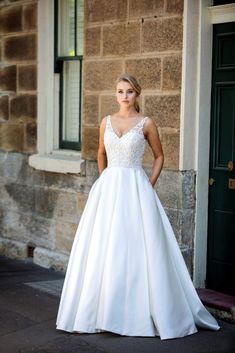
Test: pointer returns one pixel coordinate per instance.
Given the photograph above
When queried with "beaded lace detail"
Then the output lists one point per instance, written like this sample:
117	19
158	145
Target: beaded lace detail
126	150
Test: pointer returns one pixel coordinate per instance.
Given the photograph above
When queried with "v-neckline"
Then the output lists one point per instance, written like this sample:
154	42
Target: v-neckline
119	137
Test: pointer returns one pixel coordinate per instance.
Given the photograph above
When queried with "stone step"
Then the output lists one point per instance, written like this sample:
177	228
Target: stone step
221	305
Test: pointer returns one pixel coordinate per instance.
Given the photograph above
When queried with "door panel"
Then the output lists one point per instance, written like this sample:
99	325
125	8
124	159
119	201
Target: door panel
221	221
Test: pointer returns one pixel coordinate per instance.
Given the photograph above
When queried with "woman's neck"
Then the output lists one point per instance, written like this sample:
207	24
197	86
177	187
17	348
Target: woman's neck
126	113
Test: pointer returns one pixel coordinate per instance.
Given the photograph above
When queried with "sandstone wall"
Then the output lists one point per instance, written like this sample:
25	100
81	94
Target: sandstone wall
144	39
18	75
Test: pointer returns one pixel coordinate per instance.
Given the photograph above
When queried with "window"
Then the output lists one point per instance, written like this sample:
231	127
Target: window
69	18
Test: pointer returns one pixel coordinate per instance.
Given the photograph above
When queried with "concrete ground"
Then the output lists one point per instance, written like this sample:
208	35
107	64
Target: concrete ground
29	299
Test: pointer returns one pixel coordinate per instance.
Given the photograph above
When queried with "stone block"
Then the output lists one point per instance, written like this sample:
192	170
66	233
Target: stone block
109	105
10	19
12	137
8	78
92	41
172	72
50	259
92	169
13	249
65	233
147	70
188	258
103	10
23	195
81	202
90	142
175	221
140	8
162	34
30	137
187	227
101	75
169	189
4	108
23	106
18	48
189	189
65	207
45	201
175	6
27	78
170	145
91	109
11	164
30	16
164	109
121	39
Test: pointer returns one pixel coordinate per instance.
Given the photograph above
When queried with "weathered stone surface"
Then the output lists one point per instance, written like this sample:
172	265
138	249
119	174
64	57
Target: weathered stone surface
162	34
92	41
45	201
102	75
65	233
188	189
91	109
175	221
147	70
30	137
164	109
13	249
108	105
8	78
12	137
50	259
90	142
11	19
103	10
174	6
10	165
170	145
27	78
140	8
81	202
30	16
188	258
4	108
187	227
65	207
172	72
17	48
23	195
24	106
121	39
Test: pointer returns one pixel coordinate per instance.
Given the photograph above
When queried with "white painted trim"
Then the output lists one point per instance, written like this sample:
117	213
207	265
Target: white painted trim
57	163
49	158
189	85
203	142
222	13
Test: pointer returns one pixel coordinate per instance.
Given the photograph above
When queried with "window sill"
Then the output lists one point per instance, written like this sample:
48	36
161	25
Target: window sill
57	162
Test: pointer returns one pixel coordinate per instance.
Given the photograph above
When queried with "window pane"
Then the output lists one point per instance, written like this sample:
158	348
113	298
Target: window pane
71	101
80	25
66	26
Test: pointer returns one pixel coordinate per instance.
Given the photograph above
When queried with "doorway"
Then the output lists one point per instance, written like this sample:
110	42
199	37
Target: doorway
221	212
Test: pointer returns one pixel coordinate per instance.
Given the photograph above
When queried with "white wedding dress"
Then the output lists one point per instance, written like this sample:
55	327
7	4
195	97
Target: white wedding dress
126	273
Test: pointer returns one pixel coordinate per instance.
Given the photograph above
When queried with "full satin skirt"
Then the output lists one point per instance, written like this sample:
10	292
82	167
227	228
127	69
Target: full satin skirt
126	273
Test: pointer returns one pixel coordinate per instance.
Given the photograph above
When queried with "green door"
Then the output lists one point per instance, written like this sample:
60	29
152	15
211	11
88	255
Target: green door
221	226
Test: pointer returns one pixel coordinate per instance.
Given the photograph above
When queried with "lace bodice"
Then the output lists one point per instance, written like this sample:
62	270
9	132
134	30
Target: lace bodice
127	150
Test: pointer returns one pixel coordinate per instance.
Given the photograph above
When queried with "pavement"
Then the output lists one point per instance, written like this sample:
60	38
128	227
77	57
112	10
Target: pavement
29	299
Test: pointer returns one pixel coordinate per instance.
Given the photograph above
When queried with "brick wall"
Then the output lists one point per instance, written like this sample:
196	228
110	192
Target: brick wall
144	39
18	77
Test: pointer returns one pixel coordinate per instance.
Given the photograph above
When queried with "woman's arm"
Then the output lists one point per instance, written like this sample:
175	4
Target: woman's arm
152	136
101	155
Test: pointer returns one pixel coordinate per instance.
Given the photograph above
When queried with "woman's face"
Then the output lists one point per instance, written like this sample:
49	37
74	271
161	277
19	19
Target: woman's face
125	94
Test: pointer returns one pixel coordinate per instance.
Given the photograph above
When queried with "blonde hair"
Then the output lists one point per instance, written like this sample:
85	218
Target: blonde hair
134	84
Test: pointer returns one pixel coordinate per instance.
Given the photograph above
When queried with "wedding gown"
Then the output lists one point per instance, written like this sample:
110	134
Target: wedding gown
126	273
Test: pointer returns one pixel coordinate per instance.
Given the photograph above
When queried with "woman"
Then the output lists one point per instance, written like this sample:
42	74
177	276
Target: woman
126	273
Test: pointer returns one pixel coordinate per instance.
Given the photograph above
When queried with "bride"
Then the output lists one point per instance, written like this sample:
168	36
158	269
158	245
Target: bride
126	273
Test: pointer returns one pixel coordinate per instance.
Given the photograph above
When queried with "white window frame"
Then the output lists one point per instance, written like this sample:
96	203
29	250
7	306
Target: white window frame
49	157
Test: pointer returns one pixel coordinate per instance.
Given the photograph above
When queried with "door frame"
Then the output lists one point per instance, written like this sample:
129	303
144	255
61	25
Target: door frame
196	112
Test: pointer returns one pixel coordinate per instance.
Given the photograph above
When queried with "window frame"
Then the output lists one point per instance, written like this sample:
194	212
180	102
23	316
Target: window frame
59	69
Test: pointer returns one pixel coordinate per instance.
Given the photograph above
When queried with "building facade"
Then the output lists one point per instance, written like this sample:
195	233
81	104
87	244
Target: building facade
53	96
